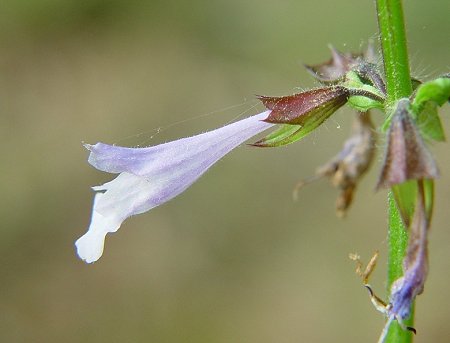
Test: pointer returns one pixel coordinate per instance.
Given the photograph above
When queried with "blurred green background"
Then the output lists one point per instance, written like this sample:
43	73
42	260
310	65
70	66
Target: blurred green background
233	259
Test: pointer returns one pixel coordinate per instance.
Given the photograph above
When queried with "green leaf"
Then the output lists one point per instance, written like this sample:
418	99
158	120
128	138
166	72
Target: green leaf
428	97
436	91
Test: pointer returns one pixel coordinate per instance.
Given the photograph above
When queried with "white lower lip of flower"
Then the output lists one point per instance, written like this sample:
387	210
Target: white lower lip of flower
90	245
151	176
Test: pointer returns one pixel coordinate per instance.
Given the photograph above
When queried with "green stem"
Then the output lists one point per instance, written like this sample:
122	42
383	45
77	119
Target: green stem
398	241
398	85
395	53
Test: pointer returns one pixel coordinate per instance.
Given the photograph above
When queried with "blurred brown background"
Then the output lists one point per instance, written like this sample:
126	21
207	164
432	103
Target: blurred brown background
233	259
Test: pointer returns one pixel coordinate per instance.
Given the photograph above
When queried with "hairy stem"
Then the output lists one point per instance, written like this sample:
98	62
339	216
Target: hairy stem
395	53
398	85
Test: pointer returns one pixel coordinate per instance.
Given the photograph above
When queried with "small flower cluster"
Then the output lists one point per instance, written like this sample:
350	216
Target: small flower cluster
151	176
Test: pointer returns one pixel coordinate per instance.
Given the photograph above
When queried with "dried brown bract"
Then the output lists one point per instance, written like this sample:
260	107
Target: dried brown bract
336	68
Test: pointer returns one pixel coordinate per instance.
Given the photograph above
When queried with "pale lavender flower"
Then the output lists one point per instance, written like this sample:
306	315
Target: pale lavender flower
149	177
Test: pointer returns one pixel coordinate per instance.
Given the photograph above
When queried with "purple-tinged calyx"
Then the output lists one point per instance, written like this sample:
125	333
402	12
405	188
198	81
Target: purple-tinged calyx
299	109
149	177
406	157
301	113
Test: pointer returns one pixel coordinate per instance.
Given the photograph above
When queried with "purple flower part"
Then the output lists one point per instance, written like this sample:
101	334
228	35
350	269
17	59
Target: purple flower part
405	290
415	264
149	177
415	268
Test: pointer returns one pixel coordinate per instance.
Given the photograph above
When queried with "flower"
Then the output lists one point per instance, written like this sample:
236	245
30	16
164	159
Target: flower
151	176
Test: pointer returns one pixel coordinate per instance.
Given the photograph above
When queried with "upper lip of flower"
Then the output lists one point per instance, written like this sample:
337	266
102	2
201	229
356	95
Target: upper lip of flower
151	176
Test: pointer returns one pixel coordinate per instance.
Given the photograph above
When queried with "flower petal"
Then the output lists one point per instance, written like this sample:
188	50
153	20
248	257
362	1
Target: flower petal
124	196
151	176
90	245
147	161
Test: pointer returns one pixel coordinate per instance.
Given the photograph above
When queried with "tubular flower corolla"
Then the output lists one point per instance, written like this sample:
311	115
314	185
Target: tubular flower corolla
151	176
